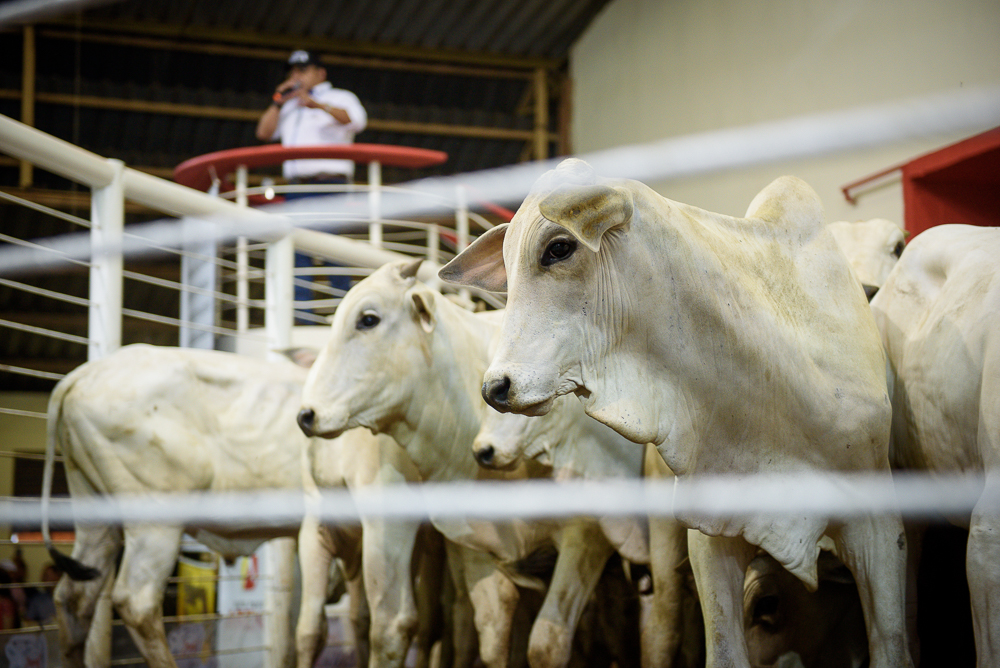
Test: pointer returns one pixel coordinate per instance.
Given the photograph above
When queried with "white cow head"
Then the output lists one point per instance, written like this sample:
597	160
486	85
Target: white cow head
505	439
872	246
366	373
551	246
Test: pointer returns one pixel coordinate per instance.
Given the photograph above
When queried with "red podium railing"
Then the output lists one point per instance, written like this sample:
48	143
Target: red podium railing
198	173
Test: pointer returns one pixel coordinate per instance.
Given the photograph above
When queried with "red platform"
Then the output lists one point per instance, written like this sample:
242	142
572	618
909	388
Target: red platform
959	183
197	172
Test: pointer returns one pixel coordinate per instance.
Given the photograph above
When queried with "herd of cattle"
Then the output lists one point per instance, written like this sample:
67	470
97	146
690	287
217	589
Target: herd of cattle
695	343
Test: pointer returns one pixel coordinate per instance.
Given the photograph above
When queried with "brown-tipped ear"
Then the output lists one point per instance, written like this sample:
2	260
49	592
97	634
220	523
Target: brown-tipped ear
409	269
423	308
588	211
481	264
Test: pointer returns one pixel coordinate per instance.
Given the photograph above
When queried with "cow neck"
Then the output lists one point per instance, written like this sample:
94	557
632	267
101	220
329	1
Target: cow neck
734	297
441	423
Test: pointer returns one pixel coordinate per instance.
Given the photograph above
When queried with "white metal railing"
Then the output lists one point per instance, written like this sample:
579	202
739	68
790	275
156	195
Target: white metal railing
255	274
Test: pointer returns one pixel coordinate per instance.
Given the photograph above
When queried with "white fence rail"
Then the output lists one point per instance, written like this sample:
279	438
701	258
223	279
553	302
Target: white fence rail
227	272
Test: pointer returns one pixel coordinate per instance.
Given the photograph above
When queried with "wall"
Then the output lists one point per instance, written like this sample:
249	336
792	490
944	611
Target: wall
20	434
647	70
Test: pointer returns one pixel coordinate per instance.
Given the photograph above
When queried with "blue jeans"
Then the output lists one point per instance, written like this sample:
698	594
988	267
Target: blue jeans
302	293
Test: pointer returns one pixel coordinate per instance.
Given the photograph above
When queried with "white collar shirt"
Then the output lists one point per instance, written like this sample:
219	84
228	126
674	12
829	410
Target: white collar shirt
304	126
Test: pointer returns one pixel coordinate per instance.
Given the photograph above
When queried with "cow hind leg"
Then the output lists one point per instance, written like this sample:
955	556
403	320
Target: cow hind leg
388	563
983	571
431	576
494	599
79	613
719	564
583	552
874	549
662	633
150	555
314	562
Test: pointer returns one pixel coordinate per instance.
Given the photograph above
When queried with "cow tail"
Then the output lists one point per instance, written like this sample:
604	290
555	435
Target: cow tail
66	564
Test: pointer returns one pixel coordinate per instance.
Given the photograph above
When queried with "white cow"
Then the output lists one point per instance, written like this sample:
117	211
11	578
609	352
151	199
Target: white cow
156	419
149	419
939	314
578	447
736	345
872	247
405	361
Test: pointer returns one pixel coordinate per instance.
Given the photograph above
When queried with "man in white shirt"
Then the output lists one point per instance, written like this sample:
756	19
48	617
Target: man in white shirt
308	111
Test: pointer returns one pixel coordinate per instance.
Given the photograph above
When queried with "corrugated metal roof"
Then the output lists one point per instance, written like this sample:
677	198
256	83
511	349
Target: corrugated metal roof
526	28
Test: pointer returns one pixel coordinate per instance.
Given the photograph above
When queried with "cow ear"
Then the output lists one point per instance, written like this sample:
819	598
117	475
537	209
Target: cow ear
423	308
481	264
588	211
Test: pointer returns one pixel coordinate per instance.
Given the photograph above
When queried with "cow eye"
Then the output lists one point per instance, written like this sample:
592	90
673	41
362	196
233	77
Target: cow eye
368	321
557	251
898	250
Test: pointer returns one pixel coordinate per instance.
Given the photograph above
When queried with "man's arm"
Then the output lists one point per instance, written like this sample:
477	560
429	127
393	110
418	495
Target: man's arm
339	115
268	122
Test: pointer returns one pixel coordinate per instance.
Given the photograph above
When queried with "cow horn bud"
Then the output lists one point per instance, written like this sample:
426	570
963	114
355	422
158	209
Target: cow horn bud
409	270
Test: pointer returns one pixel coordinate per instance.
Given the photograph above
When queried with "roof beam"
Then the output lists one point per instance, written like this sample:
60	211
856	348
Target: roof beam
271	54
252	115
320	44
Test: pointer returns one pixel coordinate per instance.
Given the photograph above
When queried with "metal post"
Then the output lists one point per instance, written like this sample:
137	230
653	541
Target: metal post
27	98
279	272
461	218
461	227
107	217
375	203
434	244
242	259
541	114
198	270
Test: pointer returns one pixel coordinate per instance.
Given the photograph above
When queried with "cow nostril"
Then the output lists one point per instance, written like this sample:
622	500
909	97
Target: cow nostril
485	455
306	420
496	392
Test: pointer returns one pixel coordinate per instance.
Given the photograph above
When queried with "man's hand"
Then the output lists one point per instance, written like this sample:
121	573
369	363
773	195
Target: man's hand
287	90
339	115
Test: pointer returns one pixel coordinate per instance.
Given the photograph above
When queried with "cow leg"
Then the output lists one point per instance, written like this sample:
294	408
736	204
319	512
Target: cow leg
98	653
661	635
464	650
915	531
583	551
719	564
360	616
84	623
874	549
982	564
150	555
494	599
431	576
388	559
315	557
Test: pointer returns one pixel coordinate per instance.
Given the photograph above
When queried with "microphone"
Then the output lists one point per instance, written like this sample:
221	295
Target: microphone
281	96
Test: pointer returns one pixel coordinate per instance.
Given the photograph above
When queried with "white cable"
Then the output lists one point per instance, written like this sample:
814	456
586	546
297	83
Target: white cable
800	494
965	110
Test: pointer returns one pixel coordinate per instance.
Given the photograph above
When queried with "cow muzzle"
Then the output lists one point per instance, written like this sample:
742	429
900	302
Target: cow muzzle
518	389
307	421
496	392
